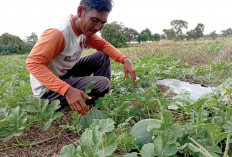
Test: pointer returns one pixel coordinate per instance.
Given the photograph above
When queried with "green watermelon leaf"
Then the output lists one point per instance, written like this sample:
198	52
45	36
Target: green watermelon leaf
148	150
68	151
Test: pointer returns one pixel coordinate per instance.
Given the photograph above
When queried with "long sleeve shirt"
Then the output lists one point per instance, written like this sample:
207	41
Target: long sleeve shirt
58	50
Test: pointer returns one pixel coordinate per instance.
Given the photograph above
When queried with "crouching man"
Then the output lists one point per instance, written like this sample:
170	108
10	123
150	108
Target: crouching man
56	69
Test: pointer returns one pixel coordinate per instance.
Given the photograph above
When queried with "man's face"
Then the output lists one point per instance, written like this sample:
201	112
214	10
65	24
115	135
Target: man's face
92	21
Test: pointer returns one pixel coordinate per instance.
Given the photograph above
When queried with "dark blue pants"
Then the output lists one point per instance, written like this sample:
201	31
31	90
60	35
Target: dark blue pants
94	67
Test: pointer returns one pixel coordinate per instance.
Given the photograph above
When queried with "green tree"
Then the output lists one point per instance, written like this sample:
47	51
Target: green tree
156	37
12	44
169	33
33	38
196	33
199	30
177	26
213	35
145	35
191	35
131	34
114	33
163	36
227	32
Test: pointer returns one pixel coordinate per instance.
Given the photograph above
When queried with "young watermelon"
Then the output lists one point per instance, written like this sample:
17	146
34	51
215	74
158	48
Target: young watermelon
94	113
140	130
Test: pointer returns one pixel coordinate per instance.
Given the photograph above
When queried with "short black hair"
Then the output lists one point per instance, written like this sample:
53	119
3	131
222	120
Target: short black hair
99	5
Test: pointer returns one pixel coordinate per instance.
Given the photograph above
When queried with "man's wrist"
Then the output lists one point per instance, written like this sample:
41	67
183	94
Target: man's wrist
125	59
68	90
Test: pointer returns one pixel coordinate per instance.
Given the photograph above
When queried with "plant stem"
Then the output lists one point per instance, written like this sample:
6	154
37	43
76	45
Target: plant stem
202	149
22	140
227	145
52	130
195	147
31	144
149	115
17	139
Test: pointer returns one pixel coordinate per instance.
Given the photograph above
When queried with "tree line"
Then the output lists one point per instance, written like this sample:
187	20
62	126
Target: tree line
119	36
11	44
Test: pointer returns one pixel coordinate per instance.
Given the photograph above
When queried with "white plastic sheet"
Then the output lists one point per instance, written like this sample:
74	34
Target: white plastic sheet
195	90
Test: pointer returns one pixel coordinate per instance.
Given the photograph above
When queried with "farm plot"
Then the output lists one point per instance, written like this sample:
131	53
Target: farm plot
130	120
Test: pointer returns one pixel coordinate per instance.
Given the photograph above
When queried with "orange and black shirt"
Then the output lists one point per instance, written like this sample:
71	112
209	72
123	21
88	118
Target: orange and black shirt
58	50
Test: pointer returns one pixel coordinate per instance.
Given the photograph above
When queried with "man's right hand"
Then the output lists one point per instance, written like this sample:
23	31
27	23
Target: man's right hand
74	98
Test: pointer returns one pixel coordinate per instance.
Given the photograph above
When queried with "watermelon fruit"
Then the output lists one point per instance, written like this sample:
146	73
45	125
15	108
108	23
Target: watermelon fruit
140	130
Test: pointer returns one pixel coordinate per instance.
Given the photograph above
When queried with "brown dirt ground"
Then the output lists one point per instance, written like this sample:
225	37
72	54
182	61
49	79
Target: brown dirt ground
190	79
50	148
164	89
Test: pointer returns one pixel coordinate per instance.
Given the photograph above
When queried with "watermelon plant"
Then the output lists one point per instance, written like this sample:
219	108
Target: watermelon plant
44	112
98	140
12	123
140	120
94	113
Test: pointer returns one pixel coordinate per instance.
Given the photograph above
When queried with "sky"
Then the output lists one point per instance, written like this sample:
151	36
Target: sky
22	17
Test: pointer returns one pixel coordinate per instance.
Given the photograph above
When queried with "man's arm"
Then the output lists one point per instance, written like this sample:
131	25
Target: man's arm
100	44
49	45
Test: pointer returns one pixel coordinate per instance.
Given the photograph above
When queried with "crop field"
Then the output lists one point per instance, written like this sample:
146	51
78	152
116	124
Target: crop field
129	121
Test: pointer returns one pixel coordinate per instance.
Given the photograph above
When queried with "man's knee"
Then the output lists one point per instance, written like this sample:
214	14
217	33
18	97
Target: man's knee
101	53
102	85
102	56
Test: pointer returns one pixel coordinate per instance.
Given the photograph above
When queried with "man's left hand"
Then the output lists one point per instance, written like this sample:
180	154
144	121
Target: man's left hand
129	68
